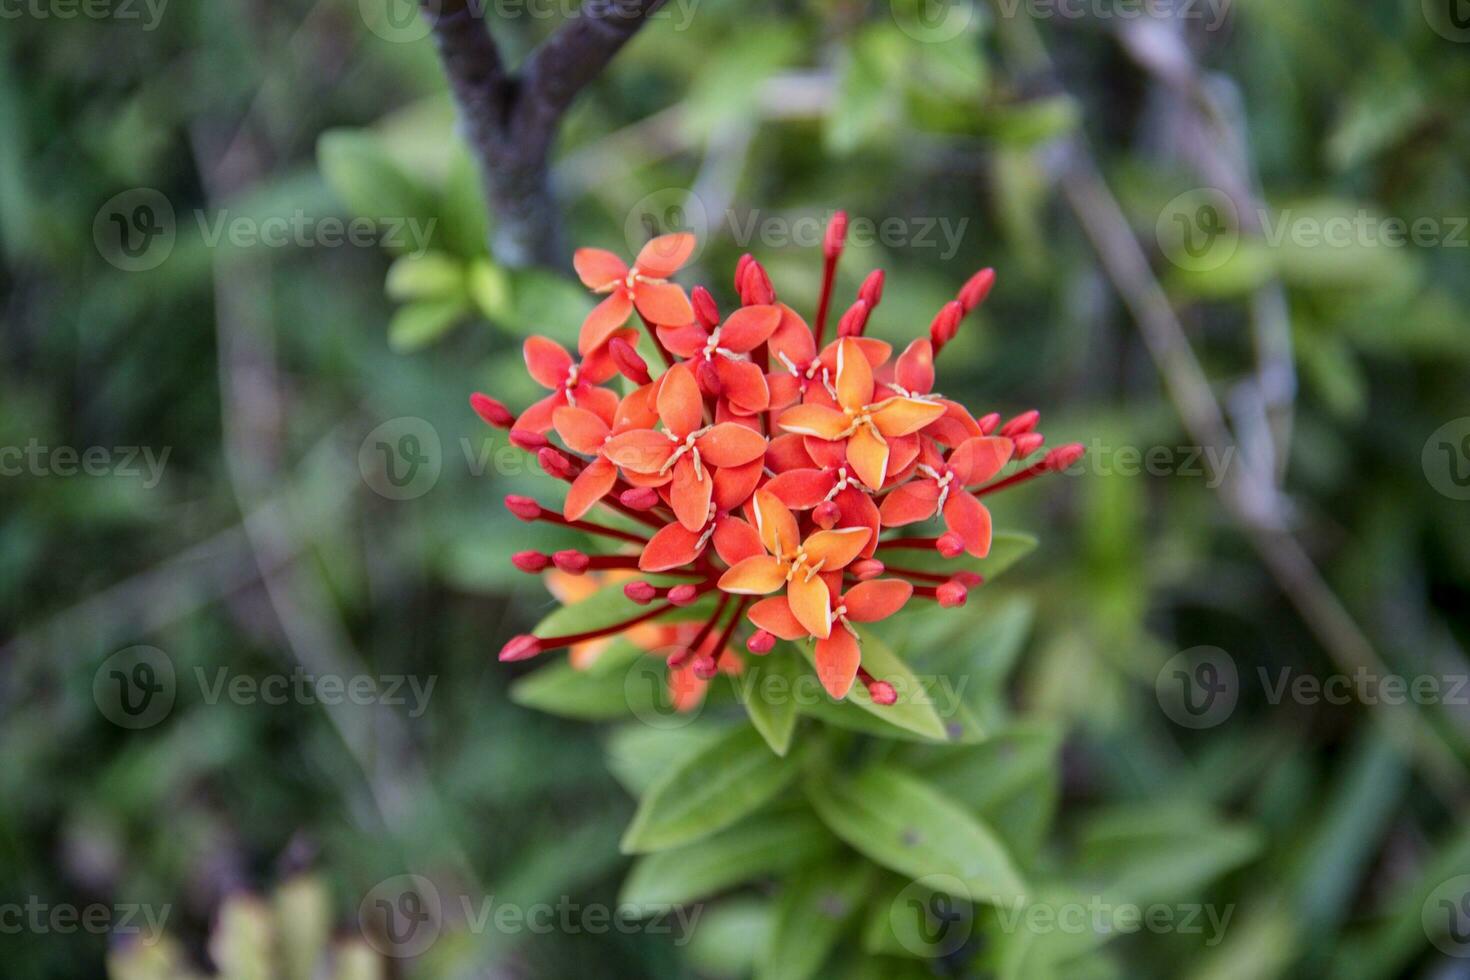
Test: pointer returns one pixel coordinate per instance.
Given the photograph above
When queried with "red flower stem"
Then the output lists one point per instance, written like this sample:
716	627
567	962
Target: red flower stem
1029	473
918	543
918	575
926	592
552	517
545	643
653	334
601	563
824	303
729	630
709	626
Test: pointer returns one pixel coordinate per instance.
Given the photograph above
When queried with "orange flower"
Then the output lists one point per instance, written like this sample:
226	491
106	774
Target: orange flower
863	425
571	383
587	432
686	448
645	287
839	654
796	564
940	488
725	350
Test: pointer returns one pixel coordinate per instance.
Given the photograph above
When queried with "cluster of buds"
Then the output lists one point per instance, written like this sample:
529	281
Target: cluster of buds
764	464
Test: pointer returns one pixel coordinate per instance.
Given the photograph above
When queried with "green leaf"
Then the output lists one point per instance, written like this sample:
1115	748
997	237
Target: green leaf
913	712
366	179
1033	122
597	693
730	935
638	754
910	827
763	845
1162	852
419	324
545	303
769	692
707	792
432	275
809	917
490	289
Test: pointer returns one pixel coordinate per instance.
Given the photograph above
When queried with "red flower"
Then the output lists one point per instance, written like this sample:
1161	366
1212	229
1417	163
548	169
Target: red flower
645	287
571	383
939	486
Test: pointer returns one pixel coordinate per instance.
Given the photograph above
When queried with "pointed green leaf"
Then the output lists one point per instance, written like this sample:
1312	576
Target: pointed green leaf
913	712
419	324
768	691
810	915
707	792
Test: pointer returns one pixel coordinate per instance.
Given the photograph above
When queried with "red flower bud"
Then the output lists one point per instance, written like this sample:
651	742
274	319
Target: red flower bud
949	544
882	693
1063	457
755	286
709	378
640	592
951	594
555	463
946	324
683	595
973	292
523	507
571	561
855	320
639	498
836	237
871	291
527	440
705	310
969	579
866	568
530	561
1025	422
1027	443
521	647
627	361
704	667
990	423
679	656
827	514
491	411
740	266
760	642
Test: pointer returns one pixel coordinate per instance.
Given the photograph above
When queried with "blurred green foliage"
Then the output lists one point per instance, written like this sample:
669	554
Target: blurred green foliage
263	547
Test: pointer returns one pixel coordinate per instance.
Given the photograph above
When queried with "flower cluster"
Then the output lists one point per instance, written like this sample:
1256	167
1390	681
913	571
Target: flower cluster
764	464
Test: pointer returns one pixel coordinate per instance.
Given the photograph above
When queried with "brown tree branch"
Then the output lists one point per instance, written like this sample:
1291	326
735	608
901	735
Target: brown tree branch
511	121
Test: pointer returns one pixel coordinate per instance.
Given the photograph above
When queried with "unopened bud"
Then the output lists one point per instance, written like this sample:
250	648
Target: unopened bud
951	594
705	309
1027	443
639	498
969	579
571	561
882	693
527	440
530	561
827	514
973	292
640	592
867	568
950	545
871	291
491	411
683	595
855	320
521	647
946	324
1063	457
523	507
627	361
555	463
836	237
709	378
760	643
1023	423
989	423
755	286
705	667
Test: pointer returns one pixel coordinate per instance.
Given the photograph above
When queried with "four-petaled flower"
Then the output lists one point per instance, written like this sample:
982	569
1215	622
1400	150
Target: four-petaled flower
571	383
939	486
645	287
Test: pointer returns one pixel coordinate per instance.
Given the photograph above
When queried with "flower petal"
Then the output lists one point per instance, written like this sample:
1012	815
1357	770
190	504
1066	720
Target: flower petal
598	268
856	509
602	402
679	402
915	369
735	484
537	416
913	501
743	385
835	548
663	303
661	257
838	657
590	486
977	460
854	375
690	494
802	489
814	420
598	366
826	455
730	444
793	338
756	575
685	341
969	518
787	452
784	388
749	327
638	410
583	431
776	524
736	540
867	454
673	546
811	604
774	616
639	450
547	361
902	416
604	320
868	602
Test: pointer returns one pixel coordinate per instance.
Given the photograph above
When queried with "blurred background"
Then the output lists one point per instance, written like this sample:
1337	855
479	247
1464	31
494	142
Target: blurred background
254	559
